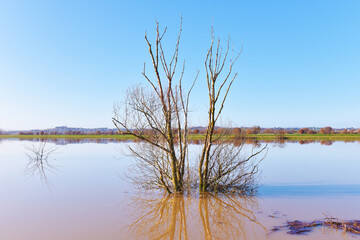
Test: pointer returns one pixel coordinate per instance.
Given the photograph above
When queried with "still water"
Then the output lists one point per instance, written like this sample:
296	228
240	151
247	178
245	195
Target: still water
84	195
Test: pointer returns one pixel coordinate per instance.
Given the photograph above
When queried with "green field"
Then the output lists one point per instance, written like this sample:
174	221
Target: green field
298	137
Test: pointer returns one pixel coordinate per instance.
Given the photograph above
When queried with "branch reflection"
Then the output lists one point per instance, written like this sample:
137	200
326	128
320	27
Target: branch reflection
205	217
39	162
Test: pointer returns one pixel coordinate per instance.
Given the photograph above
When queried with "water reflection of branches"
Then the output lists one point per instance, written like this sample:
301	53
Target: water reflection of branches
205	217
161	218
226	217
39	162
326	142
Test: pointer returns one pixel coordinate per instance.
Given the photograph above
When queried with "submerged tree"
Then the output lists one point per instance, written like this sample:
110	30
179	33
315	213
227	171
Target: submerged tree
221	166
158	117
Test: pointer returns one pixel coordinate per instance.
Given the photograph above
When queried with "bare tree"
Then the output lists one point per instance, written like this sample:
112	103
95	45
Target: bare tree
220	166
158	116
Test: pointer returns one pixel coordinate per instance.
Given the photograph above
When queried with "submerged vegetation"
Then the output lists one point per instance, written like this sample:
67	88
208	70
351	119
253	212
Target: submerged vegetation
299	227
158	116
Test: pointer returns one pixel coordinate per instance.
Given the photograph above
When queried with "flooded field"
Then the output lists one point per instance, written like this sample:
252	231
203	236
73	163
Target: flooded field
80	192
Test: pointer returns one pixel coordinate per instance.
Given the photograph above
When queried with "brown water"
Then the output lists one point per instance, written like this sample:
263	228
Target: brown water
84	195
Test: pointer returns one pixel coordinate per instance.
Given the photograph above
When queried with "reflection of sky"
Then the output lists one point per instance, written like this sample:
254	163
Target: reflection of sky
89	198
295	164
85	192
88	167
316	190
312	164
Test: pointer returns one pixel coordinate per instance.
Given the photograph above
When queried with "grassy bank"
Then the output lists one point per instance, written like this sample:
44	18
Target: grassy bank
266	137
315	137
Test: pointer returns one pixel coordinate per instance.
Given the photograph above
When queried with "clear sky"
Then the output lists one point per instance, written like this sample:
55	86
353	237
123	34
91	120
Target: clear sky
67	62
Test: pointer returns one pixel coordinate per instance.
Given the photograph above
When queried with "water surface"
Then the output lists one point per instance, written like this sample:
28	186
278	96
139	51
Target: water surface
86	196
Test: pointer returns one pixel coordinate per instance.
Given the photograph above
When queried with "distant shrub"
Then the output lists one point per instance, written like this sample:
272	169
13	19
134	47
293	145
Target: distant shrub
326	130
25	133
304	130
196	131
269	131
236	131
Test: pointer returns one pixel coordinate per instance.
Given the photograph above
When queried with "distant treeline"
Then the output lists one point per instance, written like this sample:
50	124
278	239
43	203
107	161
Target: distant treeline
258	130
237	131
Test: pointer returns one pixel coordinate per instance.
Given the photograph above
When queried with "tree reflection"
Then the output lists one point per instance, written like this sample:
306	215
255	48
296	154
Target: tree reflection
204	217
326	142
39	162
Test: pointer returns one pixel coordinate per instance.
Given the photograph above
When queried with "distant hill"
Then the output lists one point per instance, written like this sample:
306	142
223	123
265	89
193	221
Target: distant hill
64	130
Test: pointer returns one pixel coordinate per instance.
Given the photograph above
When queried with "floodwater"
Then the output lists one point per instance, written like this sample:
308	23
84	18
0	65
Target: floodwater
80	192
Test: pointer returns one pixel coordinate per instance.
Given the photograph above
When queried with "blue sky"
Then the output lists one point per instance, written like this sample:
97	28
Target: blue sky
68	62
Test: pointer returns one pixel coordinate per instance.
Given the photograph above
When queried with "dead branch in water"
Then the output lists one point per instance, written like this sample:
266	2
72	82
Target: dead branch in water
299	227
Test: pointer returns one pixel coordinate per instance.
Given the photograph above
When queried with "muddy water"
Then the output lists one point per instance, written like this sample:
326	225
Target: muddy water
84	195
